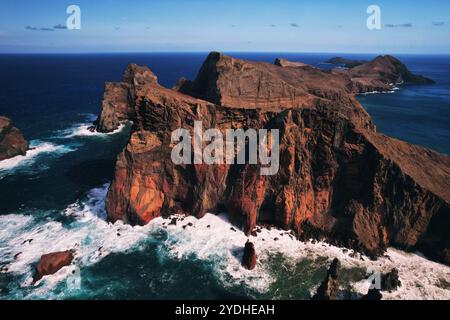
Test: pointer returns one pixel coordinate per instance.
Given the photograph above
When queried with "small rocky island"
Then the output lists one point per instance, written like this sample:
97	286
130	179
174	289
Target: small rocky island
346	63
339	180
12	142
382	74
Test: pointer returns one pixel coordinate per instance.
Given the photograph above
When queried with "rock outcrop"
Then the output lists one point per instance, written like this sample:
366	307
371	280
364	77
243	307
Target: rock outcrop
249	257
52	263
329	288
119	97
289	64
390	281
12	142
338	180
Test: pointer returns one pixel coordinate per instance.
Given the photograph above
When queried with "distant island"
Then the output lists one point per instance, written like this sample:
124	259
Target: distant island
346	63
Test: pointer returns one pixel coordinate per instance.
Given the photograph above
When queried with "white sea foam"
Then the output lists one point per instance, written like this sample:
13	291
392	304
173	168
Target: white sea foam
394	90
210	239
38	148
82	129
90	236
53	146
223	246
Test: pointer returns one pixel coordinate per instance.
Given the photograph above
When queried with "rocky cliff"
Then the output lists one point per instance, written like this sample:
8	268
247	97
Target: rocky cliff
339	179
12	142
119	98
383	73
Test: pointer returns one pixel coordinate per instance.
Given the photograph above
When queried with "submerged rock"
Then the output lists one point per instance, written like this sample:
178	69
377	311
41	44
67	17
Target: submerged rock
249	257
51	263
329	288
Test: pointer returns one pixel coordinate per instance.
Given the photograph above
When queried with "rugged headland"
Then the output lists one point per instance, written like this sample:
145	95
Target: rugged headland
339	179
12	142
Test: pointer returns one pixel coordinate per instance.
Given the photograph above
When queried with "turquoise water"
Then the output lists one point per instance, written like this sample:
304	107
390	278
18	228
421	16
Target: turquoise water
55	195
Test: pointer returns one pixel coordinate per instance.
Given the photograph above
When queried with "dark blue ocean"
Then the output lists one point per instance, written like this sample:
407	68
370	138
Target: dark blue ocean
55	195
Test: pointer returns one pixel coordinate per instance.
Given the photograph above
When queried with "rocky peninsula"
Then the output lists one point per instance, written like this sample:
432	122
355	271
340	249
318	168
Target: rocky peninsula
339	179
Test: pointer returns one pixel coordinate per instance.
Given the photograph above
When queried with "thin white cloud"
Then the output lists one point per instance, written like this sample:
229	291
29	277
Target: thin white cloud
438	23
402	25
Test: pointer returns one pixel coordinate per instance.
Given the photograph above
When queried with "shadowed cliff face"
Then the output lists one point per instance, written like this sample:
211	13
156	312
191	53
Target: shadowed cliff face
12	142
119	98
338	179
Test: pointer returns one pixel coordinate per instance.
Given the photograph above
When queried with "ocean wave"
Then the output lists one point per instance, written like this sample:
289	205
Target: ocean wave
420	277
38	149
82	129
394	90
23	241
212	240
52	146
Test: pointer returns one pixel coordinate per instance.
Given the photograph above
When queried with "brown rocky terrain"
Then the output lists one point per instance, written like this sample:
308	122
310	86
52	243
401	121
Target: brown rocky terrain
116	107
52	263
339	179
286	63
12	142
383	73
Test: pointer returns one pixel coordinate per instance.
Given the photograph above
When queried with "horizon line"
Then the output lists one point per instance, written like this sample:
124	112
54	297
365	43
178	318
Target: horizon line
225	51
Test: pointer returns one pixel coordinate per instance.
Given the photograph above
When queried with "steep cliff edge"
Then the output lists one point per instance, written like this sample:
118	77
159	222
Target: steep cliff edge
12	142
338	180
119	98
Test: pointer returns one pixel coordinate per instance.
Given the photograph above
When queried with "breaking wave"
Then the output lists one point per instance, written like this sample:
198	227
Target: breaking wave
53	147
212	240
82	129
38	149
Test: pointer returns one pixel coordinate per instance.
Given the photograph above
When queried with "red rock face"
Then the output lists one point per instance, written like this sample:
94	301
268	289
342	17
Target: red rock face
119	98
12	142
338	180
52	263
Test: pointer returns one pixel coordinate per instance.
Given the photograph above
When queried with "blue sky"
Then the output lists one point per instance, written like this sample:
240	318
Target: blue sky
226	25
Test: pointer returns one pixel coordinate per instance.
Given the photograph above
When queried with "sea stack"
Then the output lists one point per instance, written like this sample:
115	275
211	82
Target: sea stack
329	288
12	142
249	257
390	281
